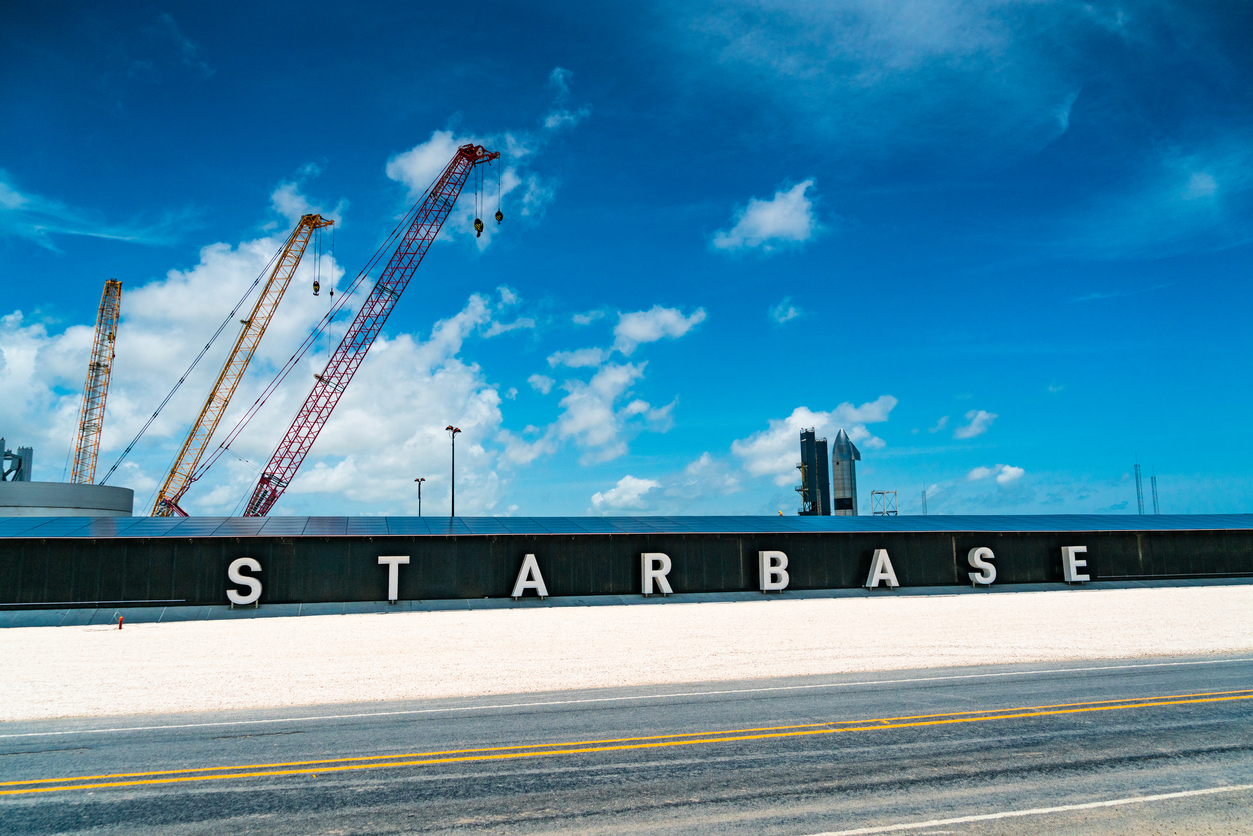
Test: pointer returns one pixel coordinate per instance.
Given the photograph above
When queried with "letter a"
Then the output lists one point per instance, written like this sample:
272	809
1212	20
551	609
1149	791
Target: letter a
529	577
881	570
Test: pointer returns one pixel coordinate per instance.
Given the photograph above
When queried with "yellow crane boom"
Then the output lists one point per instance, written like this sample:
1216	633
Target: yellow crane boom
214	408
96	389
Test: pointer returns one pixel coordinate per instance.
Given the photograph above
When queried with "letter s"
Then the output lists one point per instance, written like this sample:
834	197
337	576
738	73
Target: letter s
234	574
978	559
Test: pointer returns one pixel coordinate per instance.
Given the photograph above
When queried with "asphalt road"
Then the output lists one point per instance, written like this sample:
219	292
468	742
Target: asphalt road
1142	746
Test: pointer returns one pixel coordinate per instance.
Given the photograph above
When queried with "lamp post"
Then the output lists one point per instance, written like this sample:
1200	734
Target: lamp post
420	480
452	433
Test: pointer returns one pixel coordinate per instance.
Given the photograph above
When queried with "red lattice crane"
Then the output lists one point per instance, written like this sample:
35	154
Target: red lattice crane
329	386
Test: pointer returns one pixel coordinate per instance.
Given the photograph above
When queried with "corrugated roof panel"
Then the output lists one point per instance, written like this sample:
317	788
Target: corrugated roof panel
523	525
367	526
326	526
483	525
240	527
408	526
284	526
39	527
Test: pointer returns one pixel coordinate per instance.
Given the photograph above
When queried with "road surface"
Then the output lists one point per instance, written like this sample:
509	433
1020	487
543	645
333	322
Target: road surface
1145	746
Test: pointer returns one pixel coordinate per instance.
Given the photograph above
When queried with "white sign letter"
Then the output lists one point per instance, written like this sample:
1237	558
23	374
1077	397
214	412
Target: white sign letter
881	570
529	577
1071	565
393	574
654	566
235	576
978	559
772	568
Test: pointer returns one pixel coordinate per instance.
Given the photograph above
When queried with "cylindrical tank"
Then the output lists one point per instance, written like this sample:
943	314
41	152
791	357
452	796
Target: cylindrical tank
64	499
844	476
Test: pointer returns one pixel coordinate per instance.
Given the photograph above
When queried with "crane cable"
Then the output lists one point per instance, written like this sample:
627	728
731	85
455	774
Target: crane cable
308	341
234	311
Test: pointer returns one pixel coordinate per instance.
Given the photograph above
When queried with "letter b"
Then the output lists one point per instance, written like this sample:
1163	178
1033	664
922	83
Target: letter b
772	571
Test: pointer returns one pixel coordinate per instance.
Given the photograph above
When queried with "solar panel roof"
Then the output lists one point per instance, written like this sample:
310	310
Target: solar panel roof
104	527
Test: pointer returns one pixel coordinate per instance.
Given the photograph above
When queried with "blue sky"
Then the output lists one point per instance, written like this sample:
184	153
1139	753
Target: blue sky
1006	245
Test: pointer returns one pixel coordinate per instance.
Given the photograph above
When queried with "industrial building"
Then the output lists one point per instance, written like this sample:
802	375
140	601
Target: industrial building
815	487
825	492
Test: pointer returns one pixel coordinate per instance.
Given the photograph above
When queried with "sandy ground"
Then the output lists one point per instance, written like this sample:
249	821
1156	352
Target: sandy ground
48	672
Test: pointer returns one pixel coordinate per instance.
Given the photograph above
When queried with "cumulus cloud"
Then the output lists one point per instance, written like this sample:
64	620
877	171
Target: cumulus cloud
599	414
785	311
587	318
523	192
577	359
387	429
786	219
289	201
628	493
657	323
1005	474
939	425
541	383
774	450
977	423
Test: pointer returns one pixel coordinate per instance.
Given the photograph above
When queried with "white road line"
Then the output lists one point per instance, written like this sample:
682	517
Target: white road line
635	698
1038	811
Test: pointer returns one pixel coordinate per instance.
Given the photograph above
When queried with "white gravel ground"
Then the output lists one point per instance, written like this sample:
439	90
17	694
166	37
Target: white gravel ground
48	672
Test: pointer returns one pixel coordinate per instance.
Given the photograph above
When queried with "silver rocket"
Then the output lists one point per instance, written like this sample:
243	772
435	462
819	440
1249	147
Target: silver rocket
844	476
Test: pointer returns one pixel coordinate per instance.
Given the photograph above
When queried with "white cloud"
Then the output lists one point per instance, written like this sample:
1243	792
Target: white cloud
774	450
587	318
786	219
977	423
939	425
541	383
785	311
39	219
387	429
291	203
497	328
591	415
1005	474
578	359
639	327
628	493
522	193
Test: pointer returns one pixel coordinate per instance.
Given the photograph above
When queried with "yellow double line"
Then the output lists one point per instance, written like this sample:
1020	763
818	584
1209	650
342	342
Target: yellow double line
541	750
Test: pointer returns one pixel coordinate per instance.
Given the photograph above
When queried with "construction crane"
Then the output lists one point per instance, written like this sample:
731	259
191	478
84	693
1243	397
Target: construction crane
202	429
96	389
329	386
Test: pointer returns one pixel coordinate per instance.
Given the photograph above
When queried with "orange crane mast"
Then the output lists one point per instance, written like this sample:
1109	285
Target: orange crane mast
96	389
184	468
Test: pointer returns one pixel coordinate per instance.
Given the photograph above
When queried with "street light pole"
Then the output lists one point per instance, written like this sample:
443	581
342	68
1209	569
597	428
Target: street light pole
420	480
452	433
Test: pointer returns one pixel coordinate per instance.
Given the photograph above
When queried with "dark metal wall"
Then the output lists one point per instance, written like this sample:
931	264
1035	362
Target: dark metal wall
315	569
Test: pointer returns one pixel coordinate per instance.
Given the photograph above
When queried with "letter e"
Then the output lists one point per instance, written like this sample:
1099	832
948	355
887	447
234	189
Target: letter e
1071	564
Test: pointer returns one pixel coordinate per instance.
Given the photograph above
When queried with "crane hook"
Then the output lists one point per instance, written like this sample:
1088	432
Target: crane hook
500	216
478	227
316	287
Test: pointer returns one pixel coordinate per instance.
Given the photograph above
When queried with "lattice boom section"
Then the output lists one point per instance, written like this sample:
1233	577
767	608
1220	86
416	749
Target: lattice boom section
331	384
